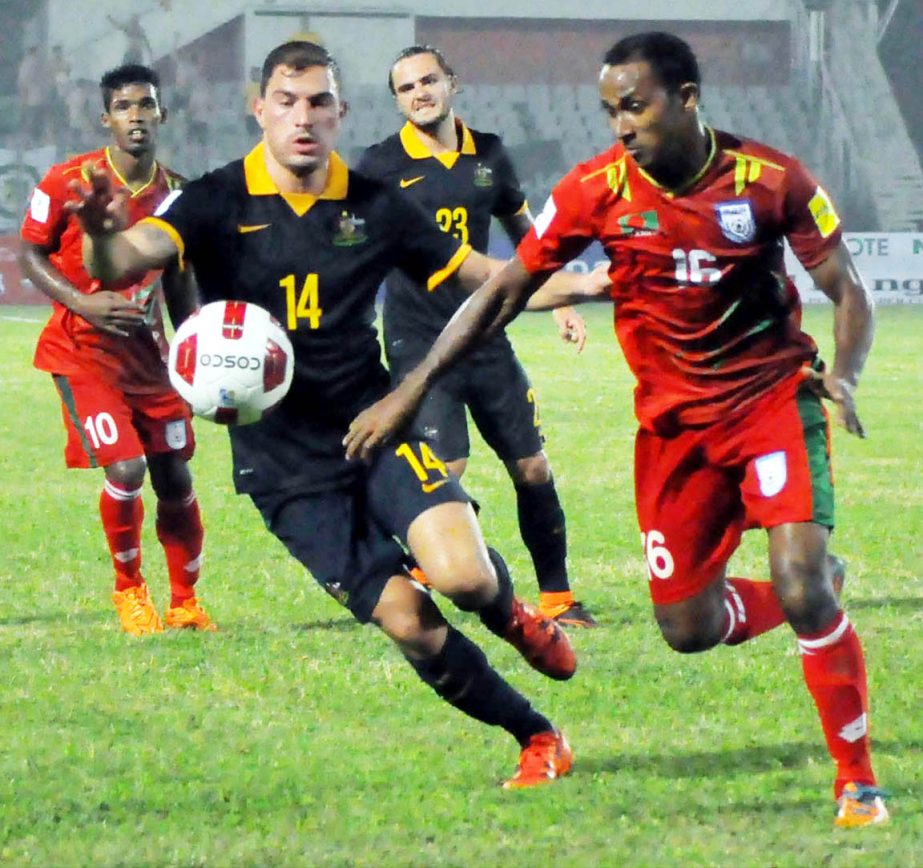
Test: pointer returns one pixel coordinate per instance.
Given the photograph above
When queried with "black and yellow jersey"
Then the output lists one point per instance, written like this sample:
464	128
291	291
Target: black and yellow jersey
315	263
460	191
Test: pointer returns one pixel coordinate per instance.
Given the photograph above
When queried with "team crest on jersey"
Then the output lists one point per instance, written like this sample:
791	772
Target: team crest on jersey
639	224
483	176
350	231
736	221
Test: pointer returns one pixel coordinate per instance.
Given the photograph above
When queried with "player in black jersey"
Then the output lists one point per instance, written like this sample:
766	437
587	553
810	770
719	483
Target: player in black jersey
462	178
291	229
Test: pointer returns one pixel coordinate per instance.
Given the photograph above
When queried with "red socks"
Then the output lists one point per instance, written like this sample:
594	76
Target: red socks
751	608
834	671
122	514
179	529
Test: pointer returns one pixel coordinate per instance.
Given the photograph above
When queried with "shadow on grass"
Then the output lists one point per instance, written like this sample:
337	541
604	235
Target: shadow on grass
55	618
716	763
902	604
719	763
335	625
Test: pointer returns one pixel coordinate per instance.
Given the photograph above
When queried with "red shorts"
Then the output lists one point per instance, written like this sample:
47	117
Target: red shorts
105	425
697	492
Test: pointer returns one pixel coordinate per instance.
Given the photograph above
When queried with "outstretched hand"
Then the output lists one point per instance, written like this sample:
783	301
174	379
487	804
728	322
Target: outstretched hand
571	326
376	424
827	385
100	210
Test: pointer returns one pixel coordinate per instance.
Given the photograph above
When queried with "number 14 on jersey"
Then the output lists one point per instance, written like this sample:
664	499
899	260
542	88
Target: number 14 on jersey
301	303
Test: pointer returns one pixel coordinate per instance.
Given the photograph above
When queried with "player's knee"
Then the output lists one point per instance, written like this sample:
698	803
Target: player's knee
470	589
534	470
411	620
171	478
689	636
804	593
128	474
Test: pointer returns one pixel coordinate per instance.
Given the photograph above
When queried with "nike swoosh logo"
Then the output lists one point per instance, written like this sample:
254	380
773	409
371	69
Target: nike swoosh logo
406	182
243	229
429	487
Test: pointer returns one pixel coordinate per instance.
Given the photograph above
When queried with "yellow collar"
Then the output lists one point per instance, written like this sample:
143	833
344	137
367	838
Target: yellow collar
260	183
676	191
135	191
416	148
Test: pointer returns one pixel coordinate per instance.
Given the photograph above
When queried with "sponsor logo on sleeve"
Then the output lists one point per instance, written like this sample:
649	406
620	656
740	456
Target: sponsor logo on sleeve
543	221
40	206
824	213
736	221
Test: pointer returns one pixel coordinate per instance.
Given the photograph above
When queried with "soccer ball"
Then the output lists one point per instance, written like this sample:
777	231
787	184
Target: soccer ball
232	362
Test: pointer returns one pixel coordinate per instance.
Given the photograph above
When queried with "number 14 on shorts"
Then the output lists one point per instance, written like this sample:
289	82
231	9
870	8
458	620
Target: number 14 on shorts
423	465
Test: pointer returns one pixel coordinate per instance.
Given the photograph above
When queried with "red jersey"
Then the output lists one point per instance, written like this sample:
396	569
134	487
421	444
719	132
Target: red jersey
704	311
68	344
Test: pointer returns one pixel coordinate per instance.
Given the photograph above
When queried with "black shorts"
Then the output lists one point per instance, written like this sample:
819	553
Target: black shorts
494	387
348	538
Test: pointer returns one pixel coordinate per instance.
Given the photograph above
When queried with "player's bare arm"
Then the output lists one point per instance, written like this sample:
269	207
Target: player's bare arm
107	311
490	307
853	329
557	291
110	251
571	326
180	293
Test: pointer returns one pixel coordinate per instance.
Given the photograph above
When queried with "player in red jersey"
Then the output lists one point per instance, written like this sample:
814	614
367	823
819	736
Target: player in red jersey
104	347
732	431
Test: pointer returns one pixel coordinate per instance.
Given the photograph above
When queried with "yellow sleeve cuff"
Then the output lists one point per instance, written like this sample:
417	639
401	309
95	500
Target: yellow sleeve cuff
175	237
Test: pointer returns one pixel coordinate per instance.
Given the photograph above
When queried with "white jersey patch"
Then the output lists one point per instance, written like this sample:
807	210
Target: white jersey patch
40	206
772	472
543	221
162	207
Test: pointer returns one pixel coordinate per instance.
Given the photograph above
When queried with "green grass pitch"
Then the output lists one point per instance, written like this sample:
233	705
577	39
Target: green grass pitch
294	737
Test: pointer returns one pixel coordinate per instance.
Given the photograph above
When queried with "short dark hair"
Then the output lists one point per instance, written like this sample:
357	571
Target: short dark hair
413	51
671	58
299	55
128	73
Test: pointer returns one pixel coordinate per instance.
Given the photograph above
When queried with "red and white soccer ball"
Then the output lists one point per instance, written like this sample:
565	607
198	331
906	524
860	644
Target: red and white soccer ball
232	362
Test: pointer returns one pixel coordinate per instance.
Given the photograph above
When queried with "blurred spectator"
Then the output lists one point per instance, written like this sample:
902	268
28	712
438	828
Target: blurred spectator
198	109
185	75
137	46
58	115
83	108
251	92
34	87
